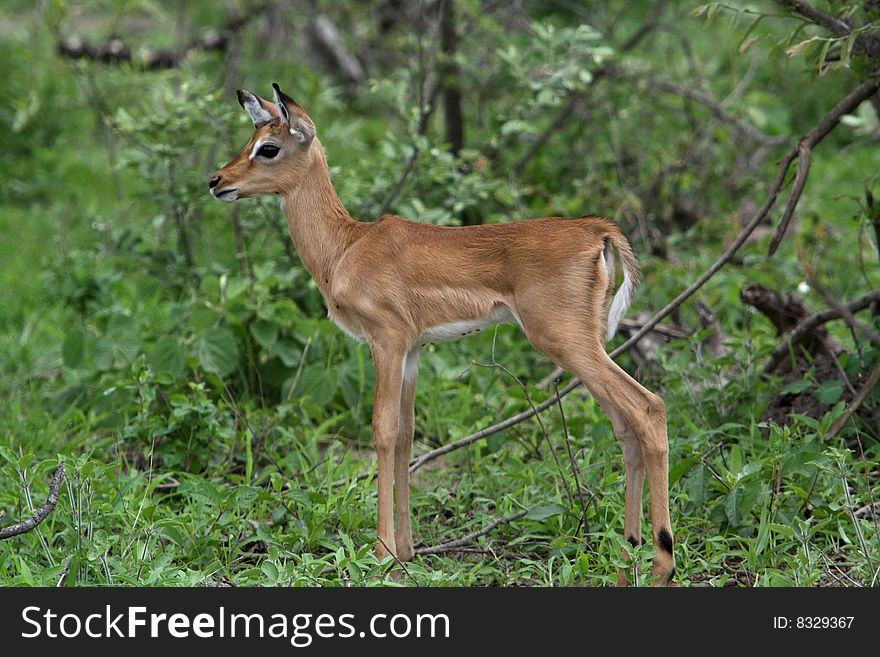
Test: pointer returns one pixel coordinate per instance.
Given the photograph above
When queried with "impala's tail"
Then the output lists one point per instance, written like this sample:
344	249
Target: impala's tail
627	289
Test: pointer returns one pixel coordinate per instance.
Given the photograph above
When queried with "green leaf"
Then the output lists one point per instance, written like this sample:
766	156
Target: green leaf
73	349
735	460
270	570
356	377
796	387
318	383
733	506
698	485
289	352
265	333
217	351
544	511
166	357
830	392
122	333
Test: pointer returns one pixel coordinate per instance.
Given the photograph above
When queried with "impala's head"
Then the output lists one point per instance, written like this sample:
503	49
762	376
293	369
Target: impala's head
278	155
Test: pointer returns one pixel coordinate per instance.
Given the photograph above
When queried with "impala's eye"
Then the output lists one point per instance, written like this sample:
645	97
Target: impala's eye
268	151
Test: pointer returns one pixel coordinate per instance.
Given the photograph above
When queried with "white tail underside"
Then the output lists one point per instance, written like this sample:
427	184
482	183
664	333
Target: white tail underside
622	298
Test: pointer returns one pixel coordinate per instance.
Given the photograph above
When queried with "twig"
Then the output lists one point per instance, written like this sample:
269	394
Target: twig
397	561
718	111
849	507
471	538
863	393
805	158
574	469
42	513
843	311
544	432
299	369
65	573
868	44
808	11
804	150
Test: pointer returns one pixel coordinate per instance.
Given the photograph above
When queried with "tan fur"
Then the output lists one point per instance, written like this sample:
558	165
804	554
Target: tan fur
391	280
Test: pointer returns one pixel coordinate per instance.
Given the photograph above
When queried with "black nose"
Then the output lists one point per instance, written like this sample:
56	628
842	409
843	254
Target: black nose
214	182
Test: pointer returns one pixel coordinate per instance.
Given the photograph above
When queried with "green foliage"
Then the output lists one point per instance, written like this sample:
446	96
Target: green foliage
174	352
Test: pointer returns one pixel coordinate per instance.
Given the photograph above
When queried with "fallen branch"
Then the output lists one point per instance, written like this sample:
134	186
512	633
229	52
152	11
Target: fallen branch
43	512
469	539
805	326
785	311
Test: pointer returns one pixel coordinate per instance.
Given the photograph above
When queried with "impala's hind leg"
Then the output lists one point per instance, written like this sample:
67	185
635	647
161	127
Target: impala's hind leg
638	417
635	479
640	424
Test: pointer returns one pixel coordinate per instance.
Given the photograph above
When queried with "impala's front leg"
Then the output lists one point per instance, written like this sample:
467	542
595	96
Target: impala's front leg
402	451
388	360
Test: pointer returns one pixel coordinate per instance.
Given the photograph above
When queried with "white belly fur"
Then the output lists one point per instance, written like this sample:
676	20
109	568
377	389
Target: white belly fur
454	330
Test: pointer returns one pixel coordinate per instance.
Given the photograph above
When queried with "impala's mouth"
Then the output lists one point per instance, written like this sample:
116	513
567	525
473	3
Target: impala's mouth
228	195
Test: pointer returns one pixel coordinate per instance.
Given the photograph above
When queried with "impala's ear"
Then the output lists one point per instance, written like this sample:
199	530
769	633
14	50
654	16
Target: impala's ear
279	103
303	131
255	108
298	121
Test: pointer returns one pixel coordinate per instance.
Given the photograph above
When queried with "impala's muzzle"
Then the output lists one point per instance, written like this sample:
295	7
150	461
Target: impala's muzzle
228	194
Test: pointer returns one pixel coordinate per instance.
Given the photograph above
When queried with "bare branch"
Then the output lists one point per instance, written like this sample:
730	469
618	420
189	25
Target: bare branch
42	513
808	11
717	108
803	151
116	51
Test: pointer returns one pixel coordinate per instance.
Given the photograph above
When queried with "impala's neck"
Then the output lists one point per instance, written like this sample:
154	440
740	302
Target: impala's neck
319	224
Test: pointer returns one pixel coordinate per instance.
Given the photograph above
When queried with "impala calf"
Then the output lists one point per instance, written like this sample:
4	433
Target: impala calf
400	284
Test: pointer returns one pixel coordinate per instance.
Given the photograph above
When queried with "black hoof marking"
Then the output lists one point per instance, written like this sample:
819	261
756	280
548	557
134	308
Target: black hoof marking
632	541
665	539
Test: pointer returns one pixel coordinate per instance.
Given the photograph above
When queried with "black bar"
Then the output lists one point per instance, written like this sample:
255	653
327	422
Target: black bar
518	621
